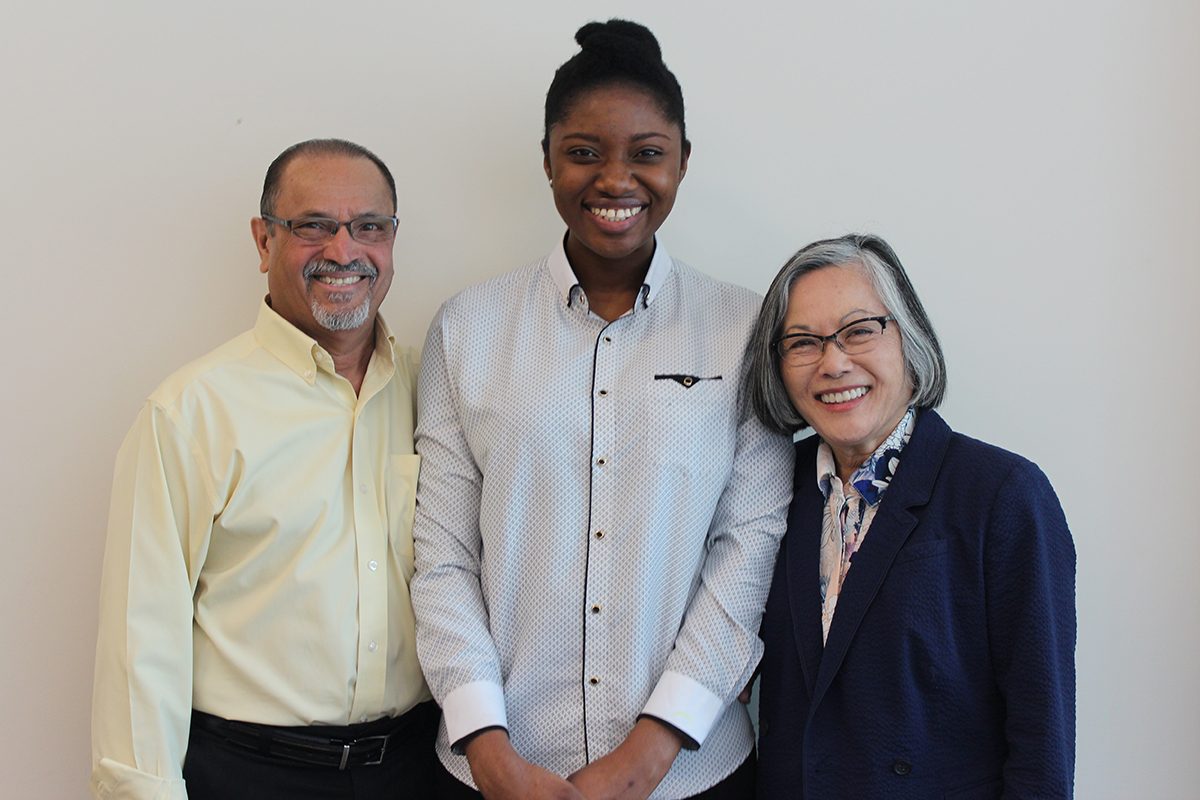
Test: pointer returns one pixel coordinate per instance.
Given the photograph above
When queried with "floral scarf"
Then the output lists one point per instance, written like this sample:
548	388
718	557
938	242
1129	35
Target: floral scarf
850	509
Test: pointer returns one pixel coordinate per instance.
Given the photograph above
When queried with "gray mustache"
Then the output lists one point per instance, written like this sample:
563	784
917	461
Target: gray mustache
323	266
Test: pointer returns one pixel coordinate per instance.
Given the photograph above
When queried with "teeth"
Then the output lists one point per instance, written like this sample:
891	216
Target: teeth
616	214
331	281
844	397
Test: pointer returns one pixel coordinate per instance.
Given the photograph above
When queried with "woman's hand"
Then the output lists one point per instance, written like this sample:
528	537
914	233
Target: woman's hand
632	770
501	773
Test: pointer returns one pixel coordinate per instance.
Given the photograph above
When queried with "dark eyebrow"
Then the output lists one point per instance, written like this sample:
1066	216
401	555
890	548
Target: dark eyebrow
637	137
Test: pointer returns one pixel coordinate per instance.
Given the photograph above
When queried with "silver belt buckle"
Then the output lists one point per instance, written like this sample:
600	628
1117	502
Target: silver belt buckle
374	762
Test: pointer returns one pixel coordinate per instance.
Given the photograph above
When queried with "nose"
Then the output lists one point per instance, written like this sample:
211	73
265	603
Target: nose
342	248
834	361
616	178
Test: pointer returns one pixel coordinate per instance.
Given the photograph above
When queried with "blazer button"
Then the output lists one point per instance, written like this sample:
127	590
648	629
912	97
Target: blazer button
901	767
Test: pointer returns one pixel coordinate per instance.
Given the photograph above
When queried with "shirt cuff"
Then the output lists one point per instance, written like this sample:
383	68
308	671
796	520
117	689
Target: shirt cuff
685	704
472	707
112	780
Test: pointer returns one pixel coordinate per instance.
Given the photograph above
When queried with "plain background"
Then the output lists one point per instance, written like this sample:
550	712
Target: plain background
1035	164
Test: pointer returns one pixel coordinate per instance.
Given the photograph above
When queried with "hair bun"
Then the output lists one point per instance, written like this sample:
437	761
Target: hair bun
619	36
617	52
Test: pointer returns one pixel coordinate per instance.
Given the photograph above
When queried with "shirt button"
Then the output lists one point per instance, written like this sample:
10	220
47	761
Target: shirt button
603	392
599	534
372	647
363	718
901	767
593	680
600	462
608	338
372	565
362	487
595	608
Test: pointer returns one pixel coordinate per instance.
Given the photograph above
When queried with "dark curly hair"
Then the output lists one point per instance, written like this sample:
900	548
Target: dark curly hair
620	52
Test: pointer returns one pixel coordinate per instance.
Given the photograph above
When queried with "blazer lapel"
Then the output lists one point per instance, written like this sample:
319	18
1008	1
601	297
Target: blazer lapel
894	521
803	560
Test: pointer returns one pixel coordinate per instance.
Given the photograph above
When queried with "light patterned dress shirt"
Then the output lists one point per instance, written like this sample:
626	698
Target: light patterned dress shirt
597	518
259	552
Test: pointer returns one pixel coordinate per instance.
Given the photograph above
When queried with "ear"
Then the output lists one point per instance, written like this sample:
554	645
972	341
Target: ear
683	161
262	240
546	166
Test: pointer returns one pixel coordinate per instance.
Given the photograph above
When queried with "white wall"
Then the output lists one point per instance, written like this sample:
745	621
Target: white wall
1034	163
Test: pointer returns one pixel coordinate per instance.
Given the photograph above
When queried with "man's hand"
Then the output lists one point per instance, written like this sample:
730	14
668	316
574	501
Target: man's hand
501	773
637	765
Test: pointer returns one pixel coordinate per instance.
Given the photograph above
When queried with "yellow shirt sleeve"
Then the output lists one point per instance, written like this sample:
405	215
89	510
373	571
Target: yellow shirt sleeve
159	525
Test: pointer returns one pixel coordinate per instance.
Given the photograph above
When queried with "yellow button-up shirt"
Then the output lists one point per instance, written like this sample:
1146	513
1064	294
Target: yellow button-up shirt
259	553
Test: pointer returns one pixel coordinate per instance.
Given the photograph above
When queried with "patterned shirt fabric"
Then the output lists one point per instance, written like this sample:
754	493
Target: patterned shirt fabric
850	508
259	552
597	518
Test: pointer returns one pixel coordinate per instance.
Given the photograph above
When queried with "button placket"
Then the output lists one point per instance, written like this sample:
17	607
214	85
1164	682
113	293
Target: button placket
604	502
371	539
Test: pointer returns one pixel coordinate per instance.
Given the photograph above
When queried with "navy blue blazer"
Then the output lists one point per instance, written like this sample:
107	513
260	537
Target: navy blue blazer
950	666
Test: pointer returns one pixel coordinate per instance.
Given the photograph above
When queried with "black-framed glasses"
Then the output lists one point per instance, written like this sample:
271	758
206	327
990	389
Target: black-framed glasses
859	336
370	229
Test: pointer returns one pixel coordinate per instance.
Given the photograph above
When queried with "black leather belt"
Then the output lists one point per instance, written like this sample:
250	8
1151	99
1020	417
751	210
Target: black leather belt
291	744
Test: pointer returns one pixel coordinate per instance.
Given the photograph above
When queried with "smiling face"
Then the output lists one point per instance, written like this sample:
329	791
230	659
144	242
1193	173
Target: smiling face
327	289
852	401
615	163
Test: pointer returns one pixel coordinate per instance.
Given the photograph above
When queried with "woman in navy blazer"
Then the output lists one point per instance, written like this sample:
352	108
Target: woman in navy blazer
943	663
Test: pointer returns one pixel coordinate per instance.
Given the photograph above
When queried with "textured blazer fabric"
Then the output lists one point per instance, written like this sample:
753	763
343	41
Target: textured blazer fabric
949	671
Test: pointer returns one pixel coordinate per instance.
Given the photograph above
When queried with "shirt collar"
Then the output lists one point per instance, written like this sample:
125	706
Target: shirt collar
875	475
568	284
301	353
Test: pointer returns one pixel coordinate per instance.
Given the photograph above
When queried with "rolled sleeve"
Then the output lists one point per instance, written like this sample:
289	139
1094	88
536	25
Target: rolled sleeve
112	780
159	524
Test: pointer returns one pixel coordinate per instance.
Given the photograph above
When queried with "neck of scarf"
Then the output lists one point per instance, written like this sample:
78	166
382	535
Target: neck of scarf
849	509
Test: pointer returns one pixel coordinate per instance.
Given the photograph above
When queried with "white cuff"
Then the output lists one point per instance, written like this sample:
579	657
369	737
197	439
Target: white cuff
472	707
684	703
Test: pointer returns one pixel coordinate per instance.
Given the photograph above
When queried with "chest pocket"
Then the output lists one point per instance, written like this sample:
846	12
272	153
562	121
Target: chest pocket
401	505
688	419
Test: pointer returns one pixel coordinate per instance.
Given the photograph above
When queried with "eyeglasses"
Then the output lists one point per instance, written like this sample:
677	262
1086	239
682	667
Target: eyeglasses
368	230
853	338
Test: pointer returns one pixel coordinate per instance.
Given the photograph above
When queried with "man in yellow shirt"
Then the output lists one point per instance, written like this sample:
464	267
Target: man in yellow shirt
256	634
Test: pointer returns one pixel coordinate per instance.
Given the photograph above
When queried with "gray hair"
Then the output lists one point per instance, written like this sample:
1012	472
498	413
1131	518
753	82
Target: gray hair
923	358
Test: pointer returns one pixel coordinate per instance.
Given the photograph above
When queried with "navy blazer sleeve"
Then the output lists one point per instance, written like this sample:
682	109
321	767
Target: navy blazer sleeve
1029	578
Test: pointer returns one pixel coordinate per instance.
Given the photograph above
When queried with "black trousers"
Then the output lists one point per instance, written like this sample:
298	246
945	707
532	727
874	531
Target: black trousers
216	769
738	786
